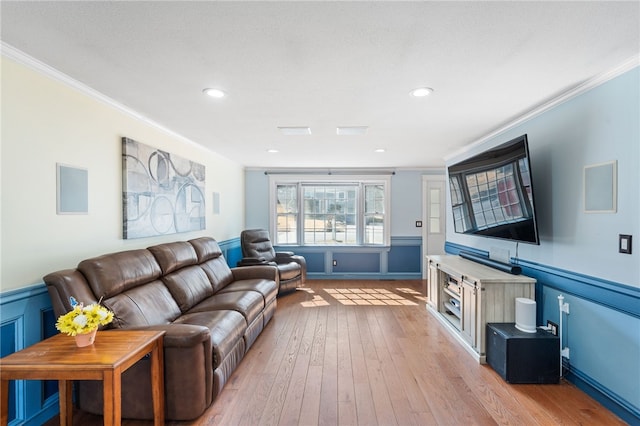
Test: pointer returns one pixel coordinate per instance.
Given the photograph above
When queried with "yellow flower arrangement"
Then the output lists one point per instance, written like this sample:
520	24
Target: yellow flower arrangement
83	319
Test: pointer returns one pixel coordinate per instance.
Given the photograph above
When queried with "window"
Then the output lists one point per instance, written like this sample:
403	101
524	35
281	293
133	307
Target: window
287	214
434	211
374	197
330	211
329	214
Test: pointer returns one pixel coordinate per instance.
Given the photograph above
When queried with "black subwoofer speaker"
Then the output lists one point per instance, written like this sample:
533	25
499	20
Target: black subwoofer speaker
520	357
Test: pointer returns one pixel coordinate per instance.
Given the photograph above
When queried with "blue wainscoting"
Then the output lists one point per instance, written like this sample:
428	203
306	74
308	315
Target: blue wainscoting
602	332
231	251
405	258
26	317
8	340
401	260
315	262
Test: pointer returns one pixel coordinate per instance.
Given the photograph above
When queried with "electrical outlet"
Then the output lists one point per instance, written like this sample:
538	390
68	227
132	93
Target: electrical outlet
552	327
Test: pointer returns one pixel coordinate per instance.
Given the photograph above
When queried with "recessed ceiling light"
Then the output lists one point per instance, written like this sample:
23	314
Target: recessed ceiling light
295	131
214	93
379	150
351	130
421	92
272	151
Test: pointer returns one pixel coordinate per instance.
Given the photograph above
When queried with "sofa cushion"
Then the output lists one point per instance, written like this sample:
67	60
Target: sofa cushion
248	303
188	286
206	248
227	327
268	288
212	262
218	273
146	305
173	256
114	273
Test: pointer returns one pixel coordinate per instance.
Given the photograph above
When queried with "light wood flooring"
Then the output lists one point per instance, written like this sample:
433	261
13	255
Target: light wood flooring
368	353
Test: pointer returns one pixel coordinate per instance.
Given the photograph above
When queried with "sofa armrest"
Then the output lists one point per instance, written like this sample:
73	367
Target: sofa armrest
251	261
287	256
180	335
267	271
284	254
63	284
188	370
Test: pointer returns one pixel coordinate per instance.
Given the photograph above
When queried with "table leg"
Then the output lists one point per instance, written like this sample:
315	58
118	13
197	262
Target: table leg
112	391
66	402
157	382
4	403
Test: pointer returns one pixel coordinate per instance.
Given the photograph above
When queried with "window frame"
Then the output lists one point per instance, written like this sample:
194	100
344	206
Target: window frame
358	180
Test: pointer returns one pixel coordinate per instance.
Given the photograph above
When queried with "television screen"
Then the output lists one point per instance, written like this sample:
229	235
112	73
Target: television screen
492	193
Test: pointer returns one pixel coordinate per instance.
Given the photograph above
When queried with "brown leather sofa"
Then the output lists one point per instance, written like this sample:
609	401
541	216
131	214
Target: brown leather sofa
212	315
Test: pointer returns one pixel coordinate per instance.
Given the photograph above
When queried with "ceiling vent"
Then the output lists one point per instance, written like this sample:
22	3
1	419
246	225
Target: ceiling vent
295	131
351	130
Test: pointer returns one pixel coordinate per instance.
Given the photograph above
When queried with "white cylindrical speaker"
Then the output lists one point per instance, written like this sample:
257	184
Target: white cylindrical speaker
526	315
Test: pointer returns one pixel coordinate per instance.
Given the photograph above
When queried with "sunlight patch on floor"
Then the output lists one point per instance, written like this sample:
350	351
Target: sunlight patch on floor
315	302
369	296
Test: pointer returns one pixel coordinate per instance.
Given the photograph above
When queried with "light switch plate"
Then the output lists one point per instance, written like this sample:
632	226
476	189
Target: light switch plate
624	243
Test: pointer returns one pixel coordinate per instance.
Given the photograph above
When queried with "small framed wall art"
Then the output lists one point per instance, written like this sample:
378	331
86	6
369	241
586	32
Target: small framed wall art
600	188
216	203
72	190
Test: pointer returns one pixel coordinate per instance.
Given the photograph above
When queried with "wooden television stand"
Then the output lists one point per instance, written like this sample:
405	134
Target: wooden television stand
464	296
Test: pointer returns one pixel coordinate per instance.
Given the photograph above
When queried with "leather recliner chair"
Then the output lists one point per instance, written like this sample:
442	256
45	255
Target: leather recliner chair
257	249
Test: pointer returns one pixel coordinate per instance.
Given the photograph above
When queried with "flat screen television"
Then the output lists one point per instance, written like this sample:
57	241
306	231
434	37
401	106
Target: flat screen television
492	194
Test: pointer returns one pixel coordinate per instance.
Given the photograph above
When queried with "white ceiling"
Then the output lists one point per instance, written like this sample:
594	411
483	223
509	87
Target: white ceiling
328	64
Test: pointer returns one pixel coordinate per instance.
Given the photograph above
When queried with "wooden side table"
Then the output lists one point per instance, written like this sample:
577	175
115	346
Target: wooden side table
58	358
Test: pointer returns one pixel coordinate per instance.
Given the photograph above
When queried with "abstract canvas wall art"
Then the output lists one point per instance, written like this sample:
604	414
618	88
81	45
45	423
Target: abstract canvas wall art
162	193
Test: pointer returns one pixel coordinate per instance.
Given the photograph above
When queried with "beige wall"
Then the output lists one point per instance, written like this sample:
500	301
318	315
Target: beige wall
45	122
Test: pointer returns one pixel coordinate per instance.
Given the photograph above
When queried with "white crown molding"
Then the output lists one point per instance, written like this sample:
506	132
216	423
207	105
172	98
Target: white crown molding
22	58
592	83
